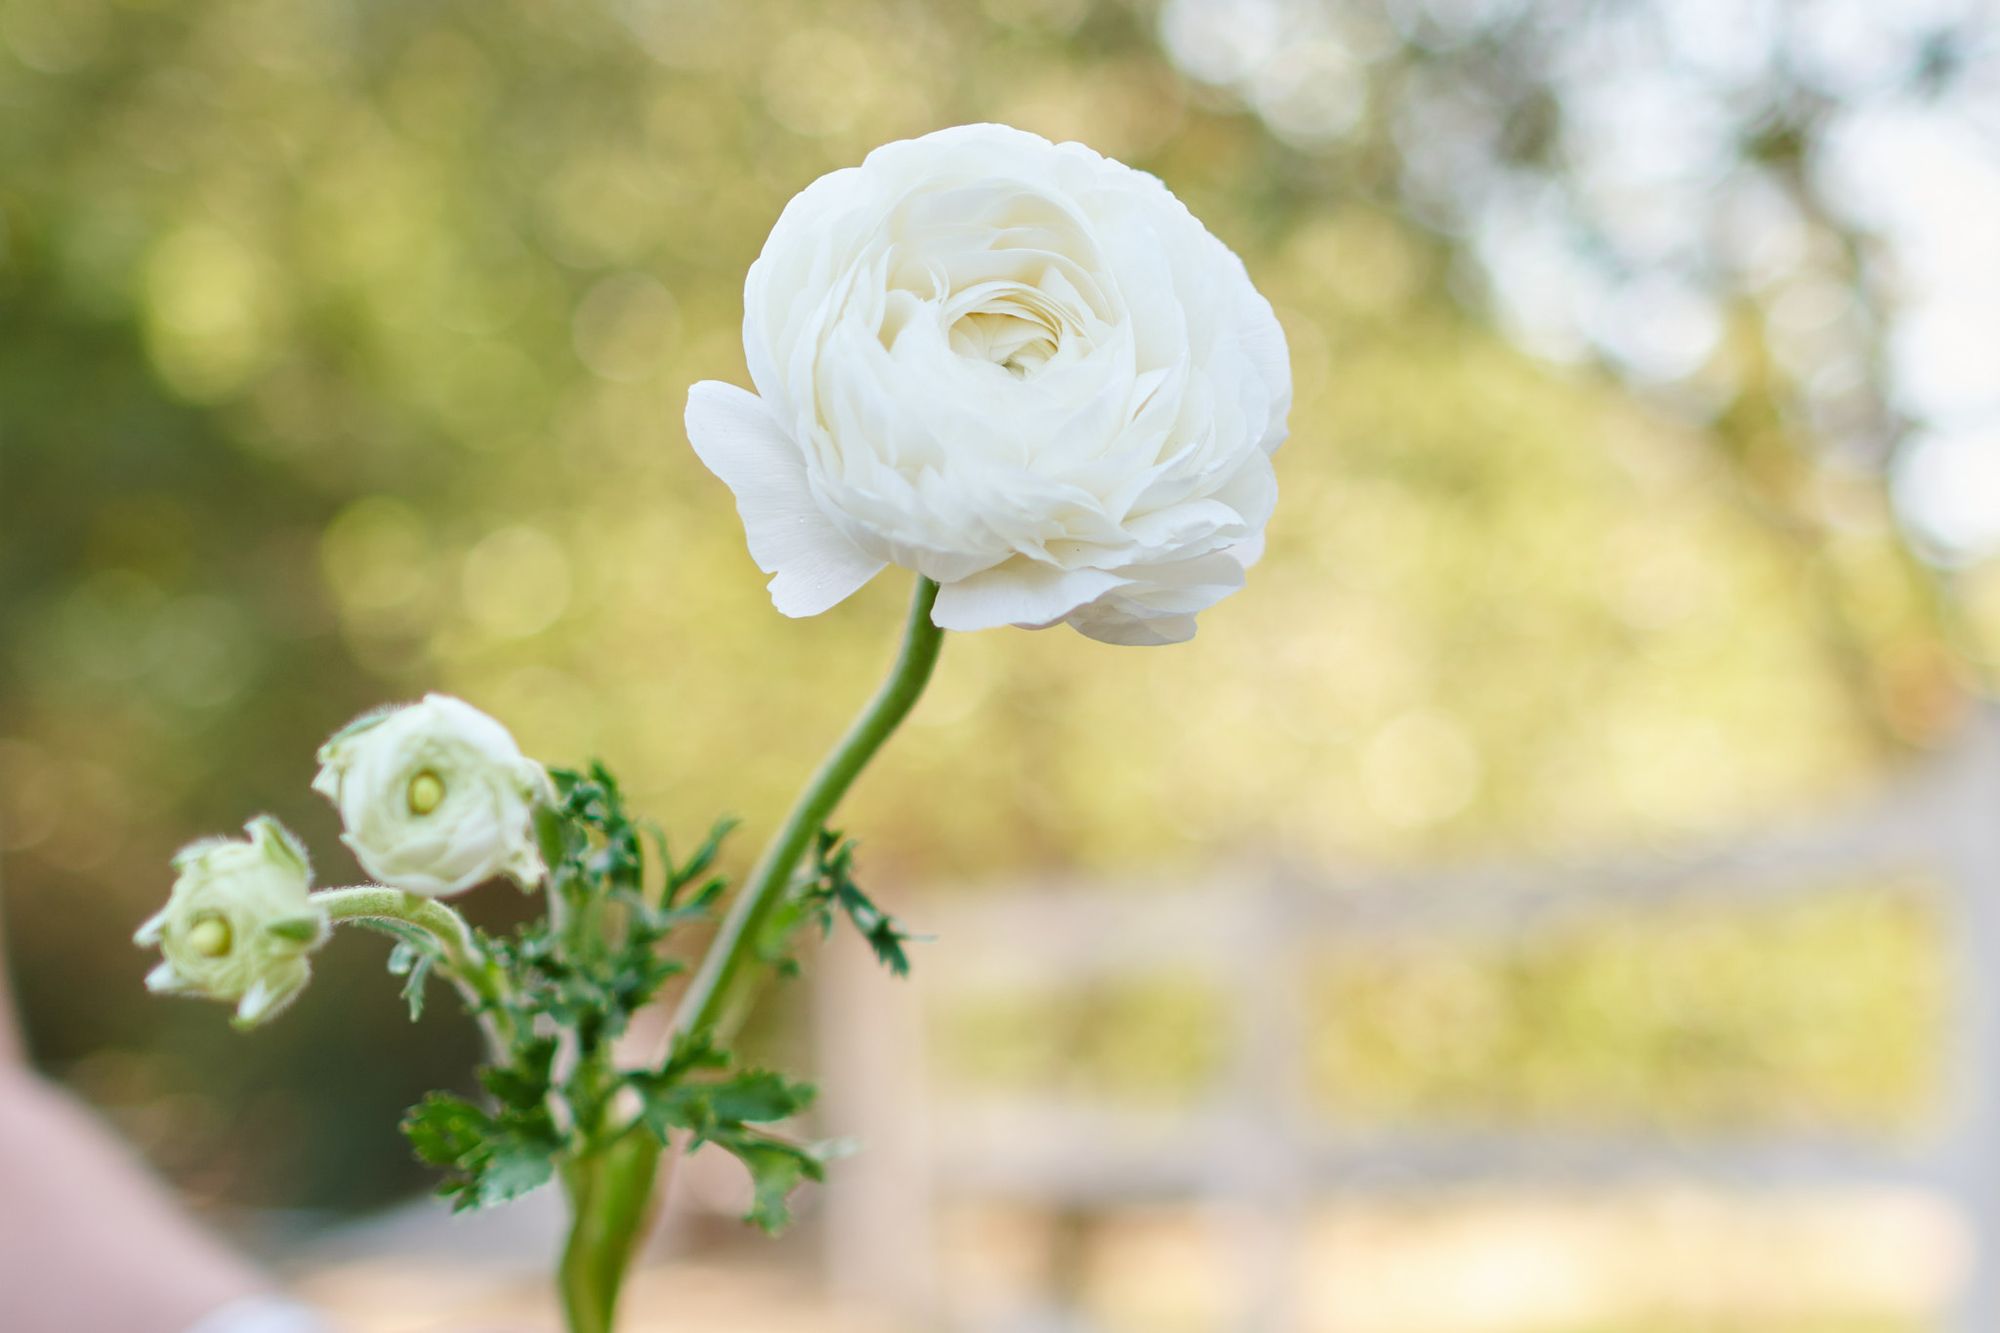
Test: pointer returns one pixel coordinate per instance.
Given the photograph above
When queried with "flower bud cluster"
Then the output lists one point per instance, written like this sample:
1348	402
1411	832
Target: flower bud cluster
434	798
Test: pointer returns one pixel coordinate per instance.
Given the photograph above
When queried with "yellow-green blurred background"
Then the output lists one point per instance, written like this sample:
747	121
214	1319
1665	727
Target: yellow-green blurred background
1642	490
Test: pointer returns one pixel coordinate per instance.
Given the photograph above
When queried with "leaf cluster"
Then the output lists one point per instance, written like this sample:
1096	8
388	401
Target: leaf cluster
597	958
415	955
828	891
493	1155
616	894
694	1092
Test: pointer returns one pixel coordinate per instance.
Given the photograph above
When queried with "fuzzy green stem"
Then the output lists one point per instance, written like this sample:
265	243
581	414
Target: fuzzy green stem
610	1200
469	968
703	1007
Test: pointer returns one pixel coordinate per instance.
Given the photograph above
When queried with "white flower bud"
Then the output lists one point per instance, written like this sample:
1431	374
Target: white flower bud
435	796
239	925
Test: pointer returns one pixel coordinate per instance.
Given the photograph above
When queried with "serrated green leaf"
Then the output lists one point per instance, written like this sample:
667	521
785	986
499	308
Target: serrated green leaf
712	1107
444	1130
523	1085
690	1051
759	1096
776	1169
696	866
487	1159
515	1167
829	889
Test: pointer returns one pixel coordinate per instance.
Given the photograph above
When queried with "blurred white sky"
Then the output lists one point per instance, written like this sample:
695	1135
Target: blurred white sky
1658	220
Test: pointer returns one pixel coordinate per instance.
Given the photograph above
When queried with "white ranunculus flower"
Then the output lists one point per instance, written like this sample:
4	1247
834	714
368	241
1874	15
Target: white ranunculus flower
435	797
1017	367
239	924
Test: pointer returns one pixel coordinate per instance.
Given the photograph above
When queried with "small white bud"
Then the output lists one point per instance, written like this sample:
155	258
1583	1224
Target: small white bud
435	797
240	924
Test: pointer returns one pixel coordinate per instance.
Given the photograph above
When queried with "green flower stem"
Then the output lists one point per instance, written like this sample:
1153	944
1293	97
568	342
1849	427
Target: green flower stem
704	1005
611	1188
610	1201
476	976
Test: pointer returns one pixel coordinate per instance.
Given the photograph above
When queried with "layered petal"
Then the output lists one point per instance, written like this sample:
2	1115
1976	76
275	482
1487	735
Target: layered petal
1018	368
1156	604
435	797
814	566
1019	592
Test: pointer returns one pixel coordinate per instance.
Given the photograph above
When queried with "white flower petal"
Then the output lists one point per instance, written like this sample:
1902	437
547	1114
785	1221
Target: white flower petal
1019	592
1264	343
165	980
1157	603
790	537
1108	625
153	931
264	1001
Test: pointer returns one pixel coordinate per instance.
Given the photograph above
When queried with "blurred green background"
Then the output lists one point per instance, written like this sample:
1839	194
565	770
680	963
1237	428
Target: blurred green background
343	346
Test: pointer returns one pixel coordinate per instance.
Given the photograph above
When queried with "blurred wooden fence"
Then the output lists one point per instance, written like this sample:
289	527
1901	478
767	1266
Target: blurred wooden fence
1260	1156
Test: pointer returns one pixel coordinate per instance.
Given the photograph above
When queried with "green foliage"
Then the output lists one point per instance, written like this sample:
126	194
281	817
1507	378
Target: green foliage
413	958
726	1110
413	963
488	1162
829	890
595	959
493	1156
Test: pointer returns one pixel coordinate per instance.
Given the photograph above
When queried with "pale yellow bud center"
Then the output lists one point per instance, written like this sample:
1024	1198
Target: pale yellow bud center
426	791
209	936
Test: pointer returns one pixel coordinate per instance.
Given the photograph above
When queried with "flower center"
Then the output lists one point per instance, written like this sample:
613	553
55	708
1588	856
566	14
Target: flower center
209	935
1018	343
1010	323
426	791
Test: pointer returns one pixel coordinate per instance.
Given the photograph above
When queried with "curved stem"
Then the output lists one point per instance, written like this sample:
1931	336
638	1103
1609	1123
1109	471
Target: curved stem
611	1189
464	962
701	1008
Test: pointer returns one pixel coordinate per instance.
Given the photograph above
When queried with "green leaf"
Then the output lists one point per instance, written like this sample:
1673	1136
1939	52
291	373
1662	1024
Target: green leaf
413	958
829	889
691	1051
724	1111
487	1159
444	1130
885	936
297	929
759	1096
776	1169
415	970
515	1167
678	878
550	835
524	1085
